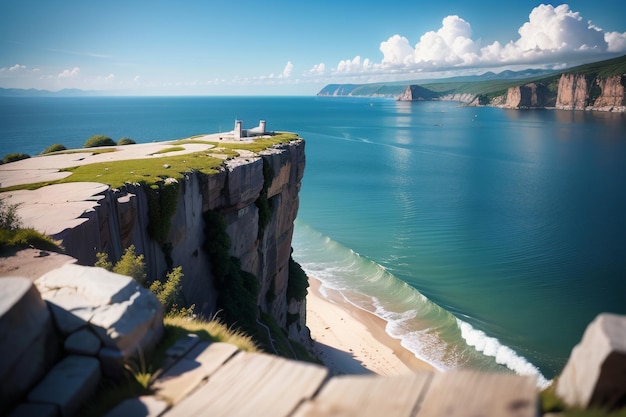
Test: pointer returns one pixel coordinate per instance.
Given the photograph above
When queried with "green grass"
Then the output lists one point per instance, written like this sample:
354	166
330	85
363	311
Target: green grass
260	144
15	239
168	150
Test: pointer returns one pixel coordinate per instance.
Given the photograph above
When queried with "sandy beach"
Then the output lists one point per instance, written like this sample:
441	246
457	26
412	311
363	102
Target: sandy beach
353	341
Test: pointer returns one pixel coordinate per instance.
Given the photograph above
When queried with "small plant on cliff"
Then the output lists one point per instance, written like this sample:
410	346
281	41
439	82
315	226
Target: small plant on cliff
57	147
162	200
131	265
298	282
167	292
126	141
13	236
99	140
238	290
13	157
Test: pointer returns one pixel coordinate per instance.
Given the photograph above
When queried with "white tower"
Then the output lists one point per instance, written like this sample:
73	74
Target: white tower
262	126
238	131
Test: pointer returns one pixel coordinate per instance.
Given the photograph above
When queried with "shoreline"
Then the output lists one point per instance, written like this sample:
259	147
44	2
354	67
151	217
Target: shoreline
350	340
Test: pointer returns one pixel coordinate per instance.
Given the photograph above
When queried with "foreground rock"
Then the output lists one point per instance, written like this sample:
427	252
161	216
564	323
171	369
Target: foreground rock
61	333
595	374
27	339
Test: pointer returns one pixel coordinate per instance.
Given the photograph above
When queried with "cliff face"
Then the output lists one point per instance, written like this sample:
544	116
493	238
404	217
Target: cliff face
417	93
528	96
612	92
122	216
573	92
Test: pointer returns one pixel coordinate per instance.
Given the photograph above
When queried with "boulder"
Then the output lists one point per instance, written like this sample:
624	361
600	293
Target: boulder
28	344
595	374
127	318
68	385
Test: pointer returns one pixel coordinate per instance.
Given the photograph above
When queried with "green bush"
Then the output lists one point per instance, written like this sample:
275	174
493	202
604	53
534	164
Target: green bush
8	216
167	292
12	157
297	283
54	148
131	265
126	141
162	201
238	290
99	140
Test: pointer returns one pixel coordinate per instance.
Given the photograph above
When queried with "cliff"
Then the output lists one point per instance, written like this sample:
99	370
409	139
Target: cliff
417	93
528	96
255	193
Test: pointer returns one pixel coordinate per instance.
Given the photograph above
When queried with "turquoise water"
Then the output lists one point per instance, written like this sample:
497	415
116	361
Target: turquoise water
487	238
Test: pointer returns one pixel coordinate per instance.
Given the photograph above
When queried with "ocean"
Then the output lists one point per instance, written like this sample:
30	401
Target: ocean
486	238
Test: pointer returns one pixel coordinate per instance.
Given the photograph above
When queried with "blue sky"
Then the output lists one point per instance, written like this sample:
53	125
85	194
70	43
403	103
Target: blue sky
290	48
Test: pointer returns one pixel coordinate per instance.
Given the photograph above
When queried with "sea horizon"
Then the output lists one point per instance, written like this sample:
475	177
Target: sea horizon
486	238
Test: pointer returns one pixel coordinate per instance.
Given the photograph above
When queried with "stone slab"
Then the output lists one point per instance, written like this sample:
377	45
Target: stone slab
179	349
471	394
27	339
253	384
69	384
368	396
144	406
82	342
35	410
595	374
196	366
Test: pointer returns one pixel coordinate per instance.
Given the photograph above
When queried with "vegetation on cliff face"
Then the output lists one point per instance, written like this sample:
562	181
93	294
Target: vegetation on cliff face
14	236
237	290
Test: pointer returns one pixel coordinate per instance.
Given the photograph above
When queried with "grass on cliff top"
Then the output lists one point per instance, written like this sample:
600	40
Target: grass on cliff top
153	170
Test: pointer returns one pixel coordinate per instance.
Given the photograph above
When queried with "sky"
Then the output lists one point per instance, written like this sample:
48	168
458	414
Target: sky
276	47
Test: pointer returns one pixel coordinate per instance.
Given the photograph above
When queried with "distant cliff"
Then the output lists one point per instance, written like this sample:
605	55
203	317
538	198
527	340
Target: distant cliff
572	92
257	196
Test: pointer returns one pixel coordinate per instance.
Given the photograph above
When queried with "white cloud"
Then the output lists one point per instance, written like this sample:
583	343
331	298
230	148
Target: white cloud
17	67
69	73
551	36
287	70
318	69
616	41
354	65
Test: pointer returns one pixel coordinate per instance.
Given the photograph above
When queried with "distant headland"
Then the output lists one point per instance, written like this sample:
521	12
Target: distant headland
594	86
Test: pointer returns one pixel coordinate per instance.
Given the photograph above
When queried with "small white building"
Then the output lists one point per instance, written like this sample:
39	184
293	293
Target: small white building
239	132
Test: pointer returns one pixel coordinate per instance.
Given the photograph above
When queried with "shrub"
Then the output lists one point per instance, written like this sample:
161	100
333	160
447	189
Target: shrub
297	283
8	216
131	265
12	157
99	140
162	201
126	141
54	148
238	290
167	291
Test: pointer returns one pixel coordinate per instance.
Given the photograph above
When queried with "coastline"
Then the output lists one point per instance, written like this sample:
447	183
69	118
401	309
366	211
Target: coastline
350	340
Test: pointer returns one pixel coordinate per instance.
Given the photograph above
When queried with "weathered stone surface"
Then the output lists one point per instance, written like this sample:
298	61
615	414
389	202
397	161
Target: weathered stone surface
179	349
144	406
28	344
82	342
595	374
69	384
244	181
32	410
187	374
573	92
529	96
116	307
612	91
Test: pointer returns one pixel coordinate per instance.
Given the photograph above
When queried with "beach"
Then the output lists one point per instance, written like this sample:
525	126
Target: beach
352	341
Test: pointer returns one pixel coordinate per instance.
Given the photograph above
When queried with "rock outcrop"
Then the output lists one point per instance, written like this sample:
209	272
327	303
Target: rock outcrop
573	92
59	335
612	95
417	93
94	218
528	96
595	374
